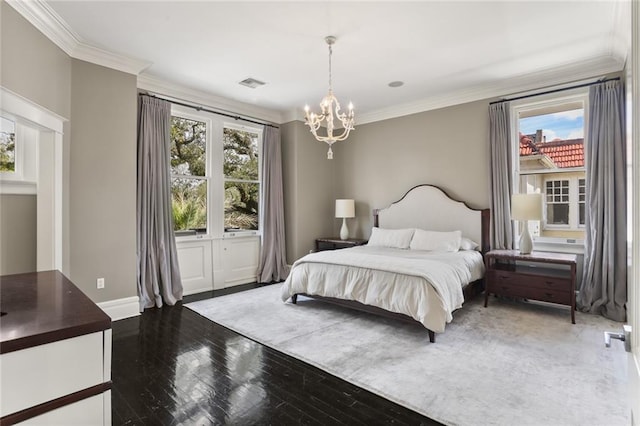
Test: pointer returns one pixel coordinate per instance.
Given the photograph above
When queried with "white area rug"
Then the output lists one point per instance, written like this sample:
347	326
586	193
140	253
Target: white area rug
509	364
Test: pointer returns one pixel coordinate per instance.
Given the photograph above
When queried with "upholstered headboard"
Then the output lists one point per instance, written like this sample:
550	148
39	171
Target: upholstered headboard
431	208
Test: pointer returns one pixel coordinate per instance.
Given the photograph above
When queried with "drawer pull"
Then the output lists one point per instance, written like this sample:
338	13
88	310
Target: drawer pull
549	295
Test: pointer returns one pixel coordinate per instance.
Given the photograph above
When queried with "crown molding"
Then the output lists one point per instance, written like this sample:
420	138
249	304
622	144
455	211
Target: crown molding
534	81
620	35
49	23
197	97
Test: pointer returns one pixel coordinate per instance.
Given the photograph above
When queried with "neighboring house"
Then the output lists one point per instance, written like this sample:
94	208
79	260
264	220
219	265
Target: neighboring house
557	172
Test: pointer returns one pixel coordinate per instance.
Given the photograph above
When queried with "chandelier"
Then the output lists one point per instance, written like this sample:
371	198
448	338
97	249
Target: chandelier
326	118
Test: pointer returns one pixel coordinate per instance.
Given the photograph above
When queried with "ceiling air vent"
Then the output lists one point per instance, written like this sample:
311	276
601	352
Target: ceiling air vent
252	83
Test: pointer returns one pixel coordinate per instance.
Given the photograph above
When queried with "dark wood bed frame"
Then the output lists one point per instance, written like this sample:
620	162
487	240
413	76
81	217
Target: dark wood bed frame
471	290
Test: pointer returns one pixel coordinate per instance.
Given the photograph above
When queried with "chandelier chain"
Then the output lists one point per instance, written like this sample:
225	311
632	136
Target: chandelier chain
330	77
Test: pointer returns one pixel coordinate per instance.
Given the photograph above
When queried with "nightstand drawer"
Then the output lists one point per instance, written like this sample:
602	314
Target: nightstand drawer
530	281
505	289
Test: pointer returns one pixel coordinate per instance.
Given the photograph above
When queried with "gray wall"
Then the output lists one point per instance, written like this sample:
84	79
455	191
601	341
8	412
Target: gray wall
380	161
308	180
99	153
102	184
32	65
18	228
377	164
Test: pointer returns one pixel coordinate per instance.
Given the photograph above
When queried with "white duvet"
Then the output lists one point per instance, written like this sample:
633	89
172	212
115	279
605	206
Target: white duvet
426	286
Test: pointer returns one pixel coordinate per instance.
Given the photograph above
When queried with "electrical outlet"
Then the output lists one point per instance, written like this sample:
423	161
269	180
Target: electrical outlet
100	282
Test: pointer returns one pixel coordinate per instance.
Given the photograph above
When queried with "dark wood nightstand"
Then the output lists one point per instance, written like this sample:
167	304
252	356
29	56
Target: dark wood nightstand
336	243
506	275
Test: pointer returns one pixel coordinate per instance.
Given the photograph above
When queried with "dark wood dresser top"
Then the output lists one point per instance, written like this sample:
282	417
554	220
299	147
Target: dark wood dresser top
44	307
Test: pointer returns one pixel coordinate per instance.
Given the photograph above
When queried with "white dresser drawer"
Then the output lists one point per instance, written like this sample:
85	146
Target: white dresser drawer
91	411
42	373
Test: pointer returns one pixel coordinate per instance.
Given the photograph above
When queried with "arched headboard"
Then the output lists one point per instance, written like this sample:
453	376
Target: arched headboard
431	208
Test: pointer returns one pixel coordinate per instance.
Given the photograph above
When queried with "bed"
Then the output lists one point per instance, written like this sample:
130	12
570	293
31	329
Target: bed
423	260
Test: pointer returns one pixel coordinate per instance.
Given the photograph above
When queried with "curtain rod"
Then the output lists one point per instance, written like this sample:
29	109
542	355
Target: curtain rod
604	80
200	108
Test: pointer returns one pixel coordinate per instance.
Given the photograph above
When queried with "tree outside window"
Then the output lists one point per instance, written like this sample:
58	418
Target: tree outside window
241	179
189	178
7	146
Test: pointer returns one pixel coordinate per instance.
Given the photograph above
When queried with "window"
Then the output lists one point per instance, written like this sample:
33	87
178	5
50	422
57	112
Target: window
215	174
189	178
557	201
549	136
241	179
7	146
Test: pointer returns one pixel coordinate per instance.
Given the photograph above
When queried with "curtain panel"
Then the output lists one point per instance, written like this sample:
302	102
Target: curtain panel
158	271
273	262
604	278
501	176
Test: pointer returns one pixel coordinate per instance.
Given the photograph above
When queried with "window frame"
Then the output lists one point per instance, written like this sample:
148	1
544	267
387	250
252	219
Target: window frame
260	132
215	125
552	100
24	179
16	174
187	113
574	206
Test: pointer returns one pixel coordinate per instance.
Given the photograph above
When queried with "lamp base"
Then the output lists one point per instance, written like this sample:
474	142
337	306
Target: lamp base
526	242
344	231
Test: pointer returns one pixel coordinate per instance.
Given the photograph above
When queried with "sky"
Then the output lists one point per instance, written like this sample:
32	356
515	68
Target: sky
563	125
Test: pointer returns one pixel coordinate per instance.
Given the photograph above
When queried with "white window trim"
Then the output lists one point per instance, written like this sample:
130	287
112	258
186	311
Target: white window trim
24	179
259	130
215	171
183	112
574	214
522	105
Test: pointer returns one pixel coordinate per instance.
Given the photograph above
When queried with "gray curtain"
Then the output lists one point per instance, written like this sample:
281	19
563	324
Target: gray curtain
158	271
501	176
273	262
604	277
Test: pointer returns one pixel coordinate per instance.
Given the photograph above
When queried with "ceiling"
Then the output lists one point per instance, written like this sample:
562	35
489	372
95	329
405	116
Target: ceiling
445	52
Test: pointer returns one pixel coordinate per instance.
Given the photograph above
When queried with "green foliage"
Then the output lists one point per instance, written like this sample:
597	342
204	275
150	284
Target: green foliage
240	155
241	205
241	199
189	195
188	147
7	152
189	204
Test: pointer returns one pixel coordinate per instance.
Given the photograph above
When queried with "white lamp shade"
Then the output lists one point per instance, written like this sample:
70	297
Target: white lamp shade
526	207
345	208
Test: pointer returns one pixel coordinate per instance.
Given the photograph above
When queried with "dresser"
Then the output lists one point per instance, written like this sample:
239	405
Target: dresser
543	276
55	353
336	243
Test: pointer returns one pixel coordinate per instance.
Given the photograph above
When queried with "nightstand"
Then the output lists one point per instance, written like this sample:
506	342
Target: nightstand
336	243
537	279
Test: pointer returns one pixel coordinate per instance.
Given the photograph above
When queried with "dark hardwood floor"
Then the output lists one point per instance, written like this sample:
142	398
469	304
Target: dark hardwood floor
173	367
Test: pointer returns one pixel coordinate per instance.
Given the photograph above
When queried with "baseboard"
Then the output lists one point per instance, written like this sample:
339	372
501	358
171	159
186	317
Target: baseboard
188	292
121	308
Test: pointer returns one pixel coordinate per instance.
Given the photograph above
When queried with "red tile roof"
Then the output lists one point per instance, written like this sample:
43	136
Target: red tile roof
564	153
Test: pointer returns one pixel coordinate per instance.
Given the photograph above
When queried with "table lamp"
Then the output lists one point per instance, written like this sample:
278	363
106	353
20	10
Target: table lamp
526	207
345	209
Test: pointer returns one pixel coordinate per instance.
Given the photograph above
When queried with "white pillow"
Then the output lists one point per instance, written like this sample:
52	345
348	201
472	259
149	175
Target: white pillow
468	244
435	240
394	238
